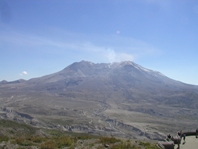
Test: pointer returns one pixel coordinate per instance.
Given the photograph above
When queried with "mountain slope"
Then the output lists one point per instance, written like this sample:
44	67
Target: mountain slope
128	78
120	98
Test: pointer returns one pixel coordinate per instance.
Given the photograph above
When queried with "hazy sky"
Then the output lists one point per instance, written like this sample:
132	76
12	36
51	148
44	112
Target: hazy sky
39	37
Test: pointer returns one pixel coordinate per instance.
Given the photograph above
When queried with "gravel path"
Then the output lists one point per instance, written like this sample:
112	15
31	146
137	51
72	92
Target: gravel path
191	143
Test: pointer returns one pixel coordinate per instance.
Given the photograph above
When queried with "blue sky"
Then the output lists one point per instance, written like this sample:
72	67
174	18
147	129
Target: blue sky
39	37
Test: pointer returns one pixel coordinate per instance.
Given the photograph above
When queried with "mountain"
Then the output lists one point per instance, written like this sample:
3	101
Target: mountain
124	99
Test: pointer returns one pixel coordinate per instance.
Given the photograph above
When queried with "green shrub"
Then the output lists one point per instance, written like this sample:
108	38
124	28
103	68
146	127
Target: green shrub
64	141
4	138
19	140
23	142
20	148
148	145
37	139
26	143
124	145
48	145
107	140
84	137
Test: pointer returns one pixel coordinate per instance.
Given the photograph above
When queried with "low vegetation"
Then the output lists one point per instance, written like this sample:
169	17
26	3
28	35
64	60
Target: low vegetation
32	138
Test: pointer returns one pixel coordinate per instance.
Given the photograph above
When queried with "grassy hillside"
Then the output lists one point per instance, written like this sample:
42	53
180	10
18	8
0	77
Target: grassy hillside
21	136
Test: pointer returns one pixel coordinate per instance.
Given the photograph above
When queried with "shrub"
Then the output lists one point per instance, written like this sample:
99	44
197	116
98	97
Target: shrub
124	146
20	148
107	140
4	138
84	137
64	141
49	145
19	140
23	142
37	139
26	143
148	145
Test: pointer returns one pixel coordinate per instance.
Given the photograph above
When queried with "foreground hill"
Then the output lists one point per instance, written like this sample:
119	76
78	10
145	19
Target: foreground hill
15	135
121	99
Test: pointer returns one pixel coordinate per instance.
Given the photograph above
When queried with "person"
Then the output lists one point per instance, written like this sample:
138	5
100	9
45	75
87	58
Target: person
184	138
169	136
180	134
178	142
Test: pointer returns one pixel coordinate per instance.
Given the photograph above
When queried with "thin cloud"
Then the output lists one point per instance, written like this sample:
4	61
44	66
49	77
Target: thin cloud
113	56
23	73
109	48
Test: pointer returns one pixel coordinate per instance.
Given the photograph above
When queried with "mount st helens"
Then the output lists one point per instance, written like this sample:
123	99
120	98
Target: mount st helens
120	99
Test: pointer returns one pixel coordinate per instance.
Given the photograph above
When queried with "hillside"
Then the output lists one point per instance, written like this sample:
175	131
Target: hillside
120	99
15	135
